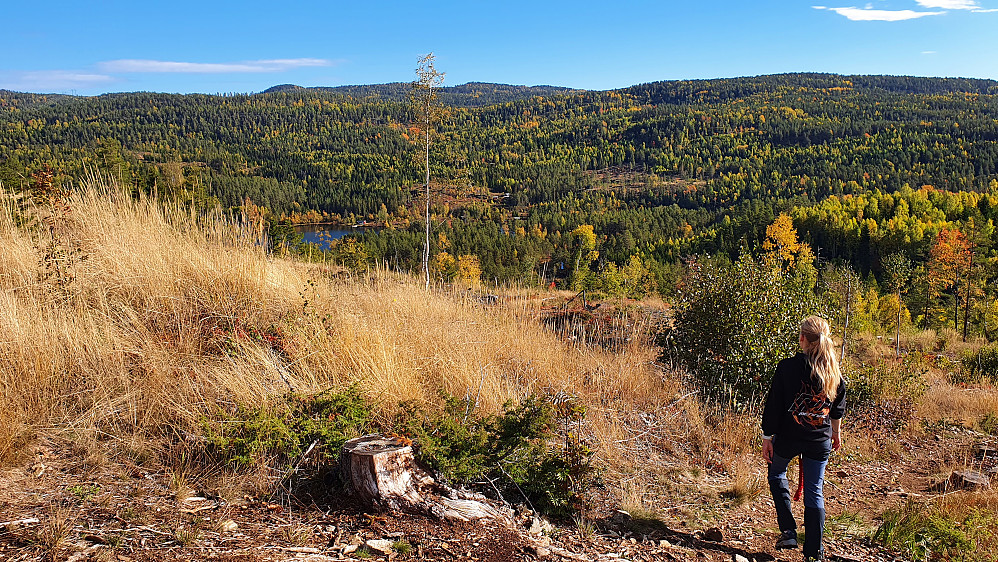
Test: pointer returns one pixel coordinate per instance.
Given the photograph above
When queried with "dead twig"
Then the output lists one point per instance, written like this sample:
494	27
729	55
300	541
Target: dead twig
28	521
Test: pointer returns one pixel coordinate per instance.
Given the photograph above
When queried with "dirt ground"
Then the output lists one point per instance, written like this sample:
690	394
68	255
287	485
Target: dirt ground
121	511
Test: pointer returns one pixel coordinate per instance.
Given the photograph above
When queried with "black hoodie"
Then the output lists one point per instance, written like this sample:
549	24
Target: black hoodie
796	408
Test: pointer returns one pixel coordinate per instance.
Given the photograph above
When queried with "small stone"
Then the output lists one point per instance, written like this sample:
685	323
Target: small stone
540	551
350	549
713	535
227	526
539	526
95	539
740	558
330	528
664	544
380	546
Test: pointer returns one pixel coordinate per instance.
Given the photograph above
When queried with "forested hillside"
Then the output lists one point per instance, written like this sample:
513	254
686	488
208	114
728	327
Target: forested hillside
606	190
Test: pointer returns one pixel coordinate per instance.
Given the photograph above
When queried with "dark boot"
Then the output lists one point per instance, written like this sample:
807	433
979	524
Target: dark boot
788	539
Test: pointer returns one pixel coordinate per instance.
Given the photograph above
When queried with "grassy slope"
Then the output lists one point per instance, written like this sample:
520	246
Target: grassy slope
159	316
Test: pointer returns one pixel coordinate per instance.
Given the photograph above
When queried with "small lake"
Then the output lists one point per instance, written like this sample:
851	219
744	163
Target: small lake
323	234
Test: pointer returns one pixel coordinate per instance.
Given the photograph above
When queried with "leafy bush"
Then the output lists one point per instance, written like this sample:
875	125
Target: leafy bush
978	365
284	429
889	380
885	394
733	324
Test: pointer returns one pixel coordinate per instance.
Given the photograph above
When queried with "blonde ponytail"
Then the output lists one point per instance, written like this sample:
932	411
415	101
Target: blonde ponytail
820	352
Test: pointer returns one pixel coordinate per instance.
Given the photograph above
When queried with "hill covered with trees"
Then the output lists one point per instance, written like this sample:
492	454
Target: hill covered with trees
606	190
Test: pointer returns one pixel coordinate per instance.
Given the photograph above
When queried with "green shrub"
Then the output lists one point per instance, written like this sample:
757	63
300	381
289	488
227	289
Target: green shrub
889	380
733	324
977	366
529	448
402	547
989	423
923	532
285	428
515	449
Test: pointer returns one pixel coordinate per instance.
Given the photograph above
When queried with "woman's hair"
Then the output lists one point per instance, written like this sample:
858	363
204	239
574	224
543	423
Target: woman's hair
821	354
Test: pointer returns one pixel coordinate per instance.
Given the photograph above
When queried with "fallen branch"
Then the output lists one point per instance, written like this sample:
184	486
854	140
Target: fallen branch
199	509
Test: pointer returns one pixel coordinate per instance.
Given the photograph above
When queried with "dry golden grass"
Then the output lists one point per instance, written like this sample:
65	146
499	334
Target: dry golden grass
966	406
160	316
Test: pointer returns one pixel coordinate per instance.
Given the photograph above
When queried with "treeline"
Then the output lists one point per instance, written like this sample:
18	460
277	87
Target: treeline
601	190
472	94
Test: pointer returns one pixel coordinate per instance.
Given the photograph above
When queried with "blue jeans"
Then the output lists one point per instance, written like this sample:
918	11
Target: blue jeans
814	458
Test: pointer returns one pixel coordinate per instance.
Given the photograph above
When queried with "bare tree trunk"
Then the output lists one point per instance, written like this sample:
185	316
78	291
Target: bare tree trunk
987	307
925	305
426	244
845	329
897	339
956	305
966	307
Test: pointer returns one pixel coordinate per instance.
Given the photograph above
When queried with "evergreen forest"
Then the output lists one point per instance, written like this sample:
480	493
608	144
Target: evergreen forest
615	192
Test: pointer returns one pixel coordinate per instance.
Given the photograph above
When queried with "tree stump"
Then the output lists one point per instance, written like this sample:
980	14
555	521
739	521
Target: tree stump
382	471
969	480
986	451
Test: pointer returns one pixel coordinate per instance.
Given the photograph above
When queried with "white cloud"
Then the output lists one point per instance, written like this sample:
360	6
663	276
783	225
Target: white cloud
864	14
928	52
949	4
51	80
271	65
971	5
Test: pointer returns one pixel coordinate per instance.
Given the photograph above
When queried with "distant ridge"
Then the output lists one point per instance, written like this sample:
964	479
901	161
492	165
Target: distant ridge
478	94
472	94
722	89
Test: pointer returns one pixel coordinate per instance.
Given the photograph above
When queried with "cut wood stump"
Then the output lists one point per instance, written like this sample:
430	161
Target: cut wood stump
986	451
969	480
382	472
380	469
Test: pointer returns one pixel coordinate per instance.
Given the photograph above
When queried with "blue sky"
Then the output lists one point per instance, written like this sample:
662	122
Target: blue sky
182	46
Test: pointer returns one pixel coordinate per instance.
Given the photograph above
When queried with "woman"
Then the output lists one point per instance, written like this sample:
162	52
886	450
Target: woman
802	417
